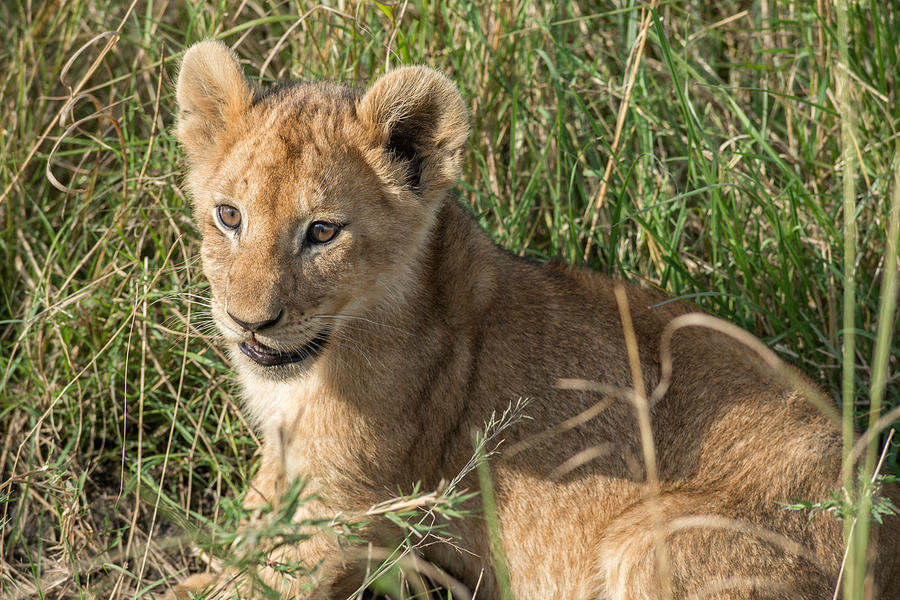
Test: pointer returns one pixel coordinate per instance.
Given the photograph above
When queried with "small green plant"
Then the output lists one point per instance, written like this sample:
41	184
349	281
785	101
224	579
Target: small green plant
844	504
250	539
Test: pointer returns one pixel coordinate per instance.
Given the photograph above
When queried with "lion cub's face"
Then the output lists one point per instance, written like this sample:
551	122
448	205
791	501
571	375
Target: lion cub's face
314	201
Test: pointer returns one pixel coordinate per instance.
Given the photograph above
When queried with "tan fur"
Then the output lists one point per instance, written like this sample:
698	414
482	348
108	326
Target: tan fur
434	328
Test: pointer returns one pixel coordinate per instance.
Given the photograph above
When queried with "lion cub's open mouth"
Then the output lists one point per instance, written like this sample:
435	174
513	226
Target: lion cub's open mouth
270	357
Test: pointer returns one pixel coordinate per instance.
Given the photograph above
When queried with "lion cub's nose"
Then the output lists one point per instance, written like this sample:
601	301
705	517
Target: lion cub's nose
256	325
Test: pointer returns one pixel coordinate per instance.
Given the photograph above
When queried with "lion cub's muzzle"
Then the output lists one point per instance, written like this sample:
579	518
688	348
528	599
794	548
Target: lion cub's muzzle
267	356
270	357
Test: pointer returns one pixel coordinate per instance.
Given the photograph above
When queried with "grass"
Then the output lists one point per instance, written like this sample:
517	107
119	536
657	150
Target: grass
752	136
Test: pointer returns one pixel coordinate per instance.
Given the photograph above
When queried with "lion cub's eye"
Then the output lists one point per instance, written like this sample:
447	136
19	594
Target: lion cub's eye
228	216
321	232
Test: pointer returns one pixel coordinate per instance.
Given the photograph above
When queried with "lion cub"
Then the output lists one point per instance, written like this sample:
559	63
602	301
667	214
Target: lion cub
373	326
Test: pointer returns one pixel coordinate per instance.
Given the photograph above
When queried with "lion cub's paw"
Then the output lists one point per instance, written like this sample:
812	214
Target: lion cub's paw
192	586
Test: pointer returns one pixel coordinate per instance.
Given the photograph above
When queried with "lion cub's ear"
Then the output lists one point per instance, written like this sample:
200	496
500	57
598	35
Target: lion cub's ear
212	92
417	116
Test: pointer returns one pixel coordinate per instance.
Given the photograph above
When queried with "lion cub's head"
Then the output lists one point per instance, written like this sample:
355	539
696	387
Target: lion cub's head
314	200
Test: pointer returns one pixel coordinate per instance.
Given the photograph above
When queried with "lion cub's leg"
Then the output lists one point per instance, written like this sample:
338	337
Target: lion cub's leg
321	555
323	573
711	552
